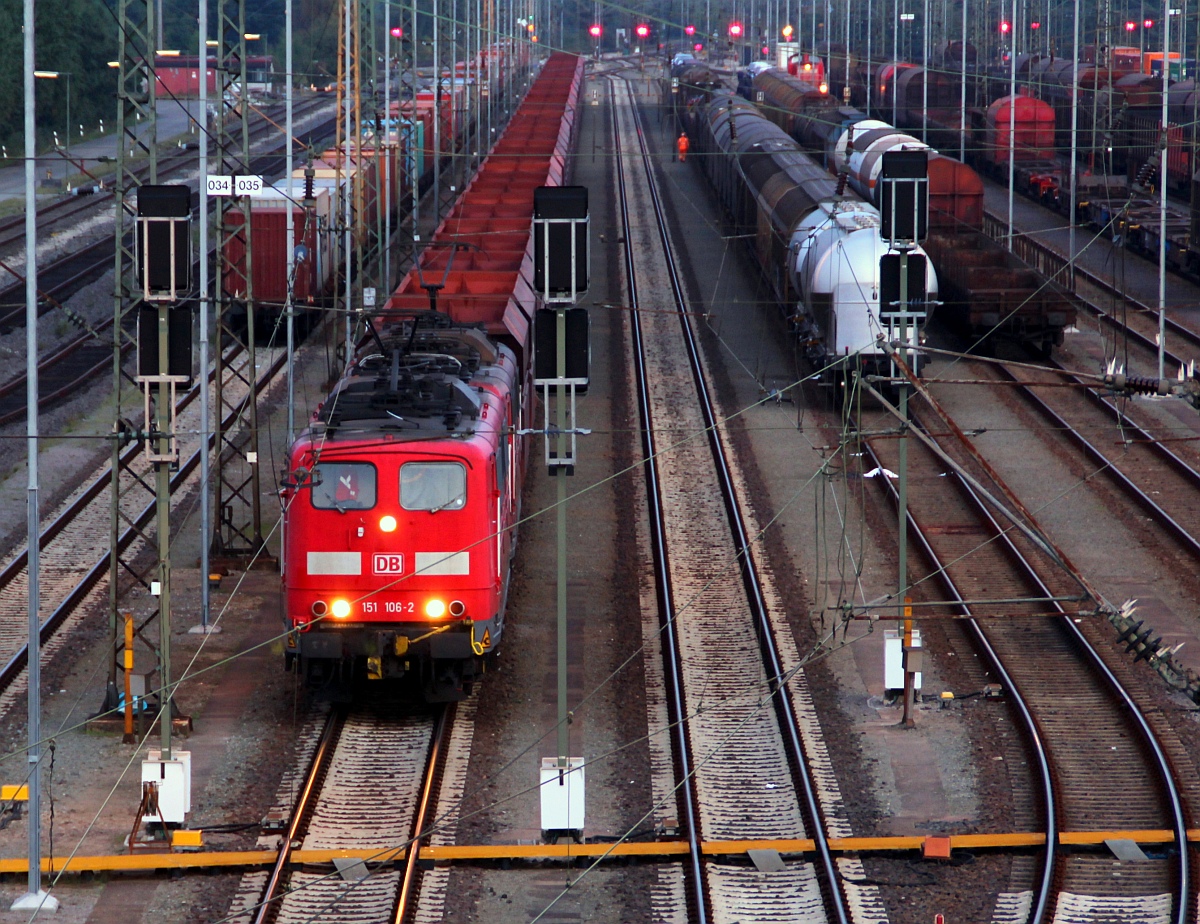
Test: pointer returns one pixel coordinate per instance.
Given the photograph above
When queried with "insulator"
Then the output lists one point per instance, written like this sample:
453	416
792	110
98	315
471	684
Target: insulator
1146	174
843	179
1139	640
310	176
1145	386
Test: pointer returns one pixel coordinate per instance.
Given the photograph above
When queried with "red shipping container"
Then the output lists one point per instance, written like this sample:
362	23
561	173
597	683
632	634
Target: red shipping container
269	248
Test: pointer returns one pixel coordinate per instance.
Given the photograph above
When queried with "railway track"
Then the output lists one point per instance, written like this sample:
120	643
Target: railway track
1140	320
171	162
64	370
1084	728
1137	450
734	723
76	542
365	784
371	788
61	278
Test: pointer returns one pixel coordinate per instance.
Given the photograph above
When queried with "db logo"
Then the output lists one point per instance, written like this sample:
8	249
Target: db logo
389	564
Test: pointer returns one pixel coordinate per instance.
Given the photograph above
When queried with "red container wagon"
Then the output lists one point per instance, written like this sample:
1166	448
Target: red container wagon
404	493
269	247
179	76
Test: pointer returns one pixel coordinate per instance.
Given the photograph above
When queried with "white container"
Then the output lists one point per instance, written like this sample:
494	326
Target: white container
893	659
173	779
562	794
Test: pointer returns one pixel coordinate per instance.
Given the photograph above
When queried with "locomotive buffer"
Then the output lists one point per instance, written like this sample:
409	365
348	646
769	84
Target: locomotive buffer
562	261
905	178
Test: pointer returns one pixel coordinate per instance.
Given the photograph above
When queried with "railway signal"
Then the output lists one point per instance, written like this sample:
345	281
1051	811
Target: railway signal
562	260
595	31
689	30
735	30
397	32
642	31
1005	26
787	33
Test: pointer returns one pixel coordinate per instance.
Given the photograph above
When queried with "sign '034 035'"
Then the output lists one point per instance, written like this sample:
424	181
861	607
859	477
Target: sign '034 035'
234	185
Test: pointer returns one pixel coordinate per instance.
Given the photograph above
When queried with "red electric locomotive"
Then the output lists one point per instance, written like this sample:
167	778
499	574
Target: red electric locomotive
401	505
402	497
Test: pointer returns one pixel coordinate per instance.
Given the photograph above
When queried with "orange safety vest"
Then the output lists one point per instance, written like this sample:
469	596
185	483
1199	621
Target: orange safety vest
682	144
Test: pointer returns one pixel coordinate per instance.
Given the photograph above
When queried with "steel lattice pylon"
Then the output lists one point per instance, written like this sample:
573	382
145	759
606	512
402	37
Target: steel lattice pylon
132	486
347	141
237	530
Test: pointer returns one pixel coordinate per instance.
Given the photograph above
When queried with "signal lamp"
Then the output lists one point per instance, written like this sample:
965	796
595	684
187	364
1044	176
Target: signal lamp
1130	26
387	524
397	32
1035	25
642	30
1005	26
319	608
689	30
595	31
787	32
823	88
697	47
340	609
735	30
1148	24
435	609
457	608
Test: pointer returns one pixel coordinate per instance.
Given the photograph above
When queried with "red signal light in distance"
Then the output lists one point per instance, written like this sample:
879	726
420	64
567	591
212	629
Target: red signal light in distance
1005	26
1148	24
1130	26
689	30
595	31
1035	25
397	32
642	30
735	30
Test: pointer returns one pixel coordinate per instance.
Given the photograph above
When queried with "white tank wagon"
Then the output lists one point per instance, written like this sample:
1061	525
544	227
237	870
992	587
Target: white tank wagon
819	247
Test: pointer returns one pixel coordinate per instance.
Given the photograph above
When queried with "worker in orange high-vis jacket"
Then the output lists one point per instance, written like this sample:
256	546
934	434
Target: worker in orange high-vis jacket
682	147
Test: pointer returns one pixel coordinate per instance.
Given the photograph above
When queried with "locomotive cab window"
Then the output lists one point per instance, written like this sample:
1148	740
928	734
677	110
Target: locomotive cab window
344	486
433	486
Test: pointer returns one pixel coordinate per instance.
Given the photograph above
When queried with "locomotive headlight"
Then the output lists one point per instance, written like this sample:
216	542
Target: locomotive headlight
340	609
387	524
435	609
823	88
